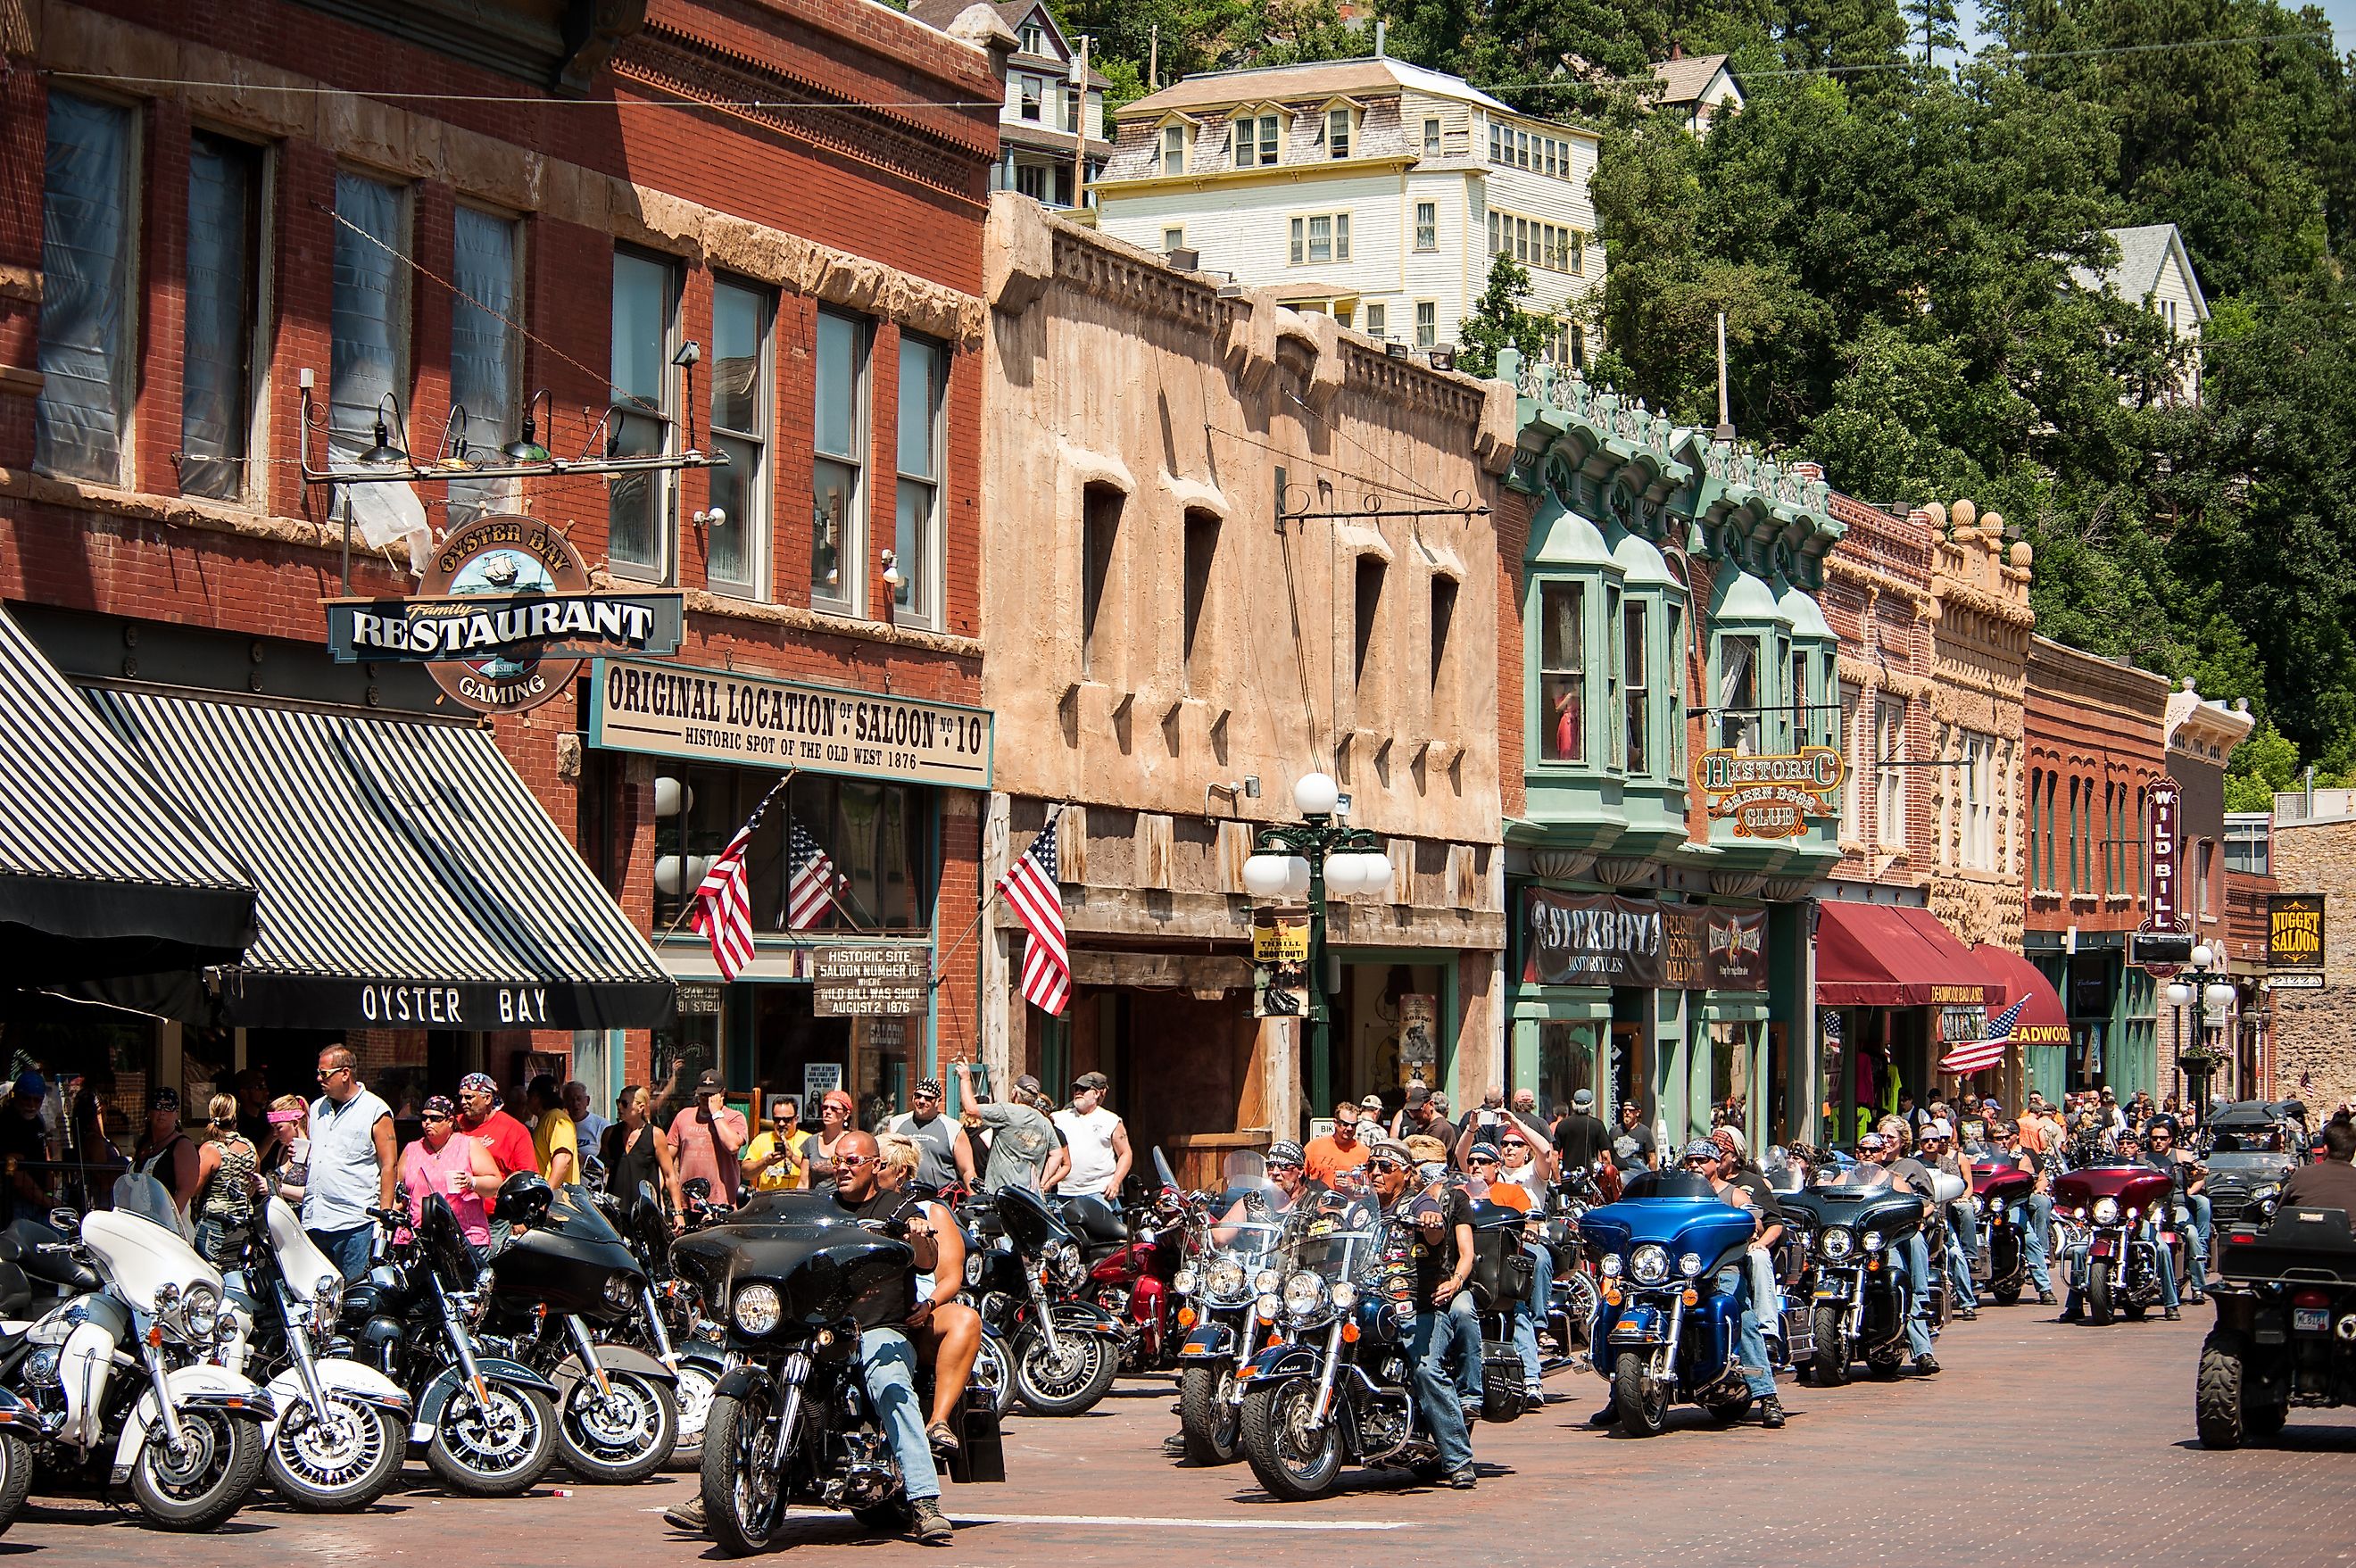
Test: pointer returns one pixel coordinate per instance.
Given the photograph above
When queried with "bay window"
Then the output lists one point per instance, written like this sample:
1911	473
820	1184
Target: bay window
1562	672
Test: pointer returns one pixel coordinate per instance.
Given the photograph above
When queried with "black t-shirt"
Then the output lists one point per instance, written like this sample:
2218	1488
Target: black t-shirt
1763	1196
1631	1147
1434	1262
1578	1138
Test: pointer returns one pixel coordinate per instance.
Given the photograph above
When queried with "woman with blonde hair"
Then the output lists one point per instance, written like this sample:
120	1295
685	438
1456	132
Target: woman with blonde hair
228	1180
286	1158
950	1331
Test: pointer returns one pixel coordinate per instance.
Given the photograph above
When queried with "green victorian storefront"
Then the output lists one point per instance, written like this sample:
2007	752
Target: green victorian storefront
1679	725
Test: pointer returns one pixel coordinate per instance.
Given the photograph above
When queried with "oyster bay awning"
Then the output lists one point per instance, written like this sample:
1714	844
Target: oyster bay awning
100	874
406	876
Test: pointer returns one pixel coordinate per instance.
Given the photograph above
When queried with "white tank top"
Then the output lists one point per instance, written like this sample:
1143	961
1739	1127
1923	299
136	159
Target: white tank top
1092	1153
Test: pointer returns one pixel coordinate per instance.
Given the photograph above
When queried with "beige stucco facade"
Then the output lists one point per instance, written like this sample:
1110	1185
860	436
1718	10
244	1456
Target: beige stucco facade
1157	635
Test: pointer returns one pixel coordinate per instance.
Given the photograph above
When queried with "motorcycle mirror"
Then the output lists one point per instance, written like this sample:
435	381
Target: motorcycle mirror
1256	1202
64	1218
696	1189
592	1170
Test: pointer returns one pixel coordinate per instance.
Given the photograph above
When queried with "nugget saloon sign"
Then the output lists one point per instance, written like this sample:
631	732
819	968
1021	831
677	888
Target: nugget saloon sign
2294	931
503	617
720	716
1769	797
1604	939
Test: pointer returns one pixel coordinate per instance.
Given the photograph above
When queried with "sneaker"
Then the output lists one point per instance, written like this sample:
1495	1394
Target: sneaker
1472	1412
687	1516
1608	1416
1533	1401
1771	1412
1928	1366
2196	1298
1967	1314
1460	1481
2045	1298
2173	1314
928	1523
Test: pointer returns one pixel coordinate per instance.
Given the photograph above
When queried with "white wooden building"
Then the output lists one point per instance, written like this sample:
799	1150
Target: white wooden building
2155	273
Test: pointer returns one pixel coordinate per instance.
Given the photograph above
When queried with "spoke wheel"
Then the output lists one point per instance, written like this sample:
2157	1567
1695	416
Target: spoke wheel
620	1436
496	1448
744	1474
200	1484
1295	1460
339	1462
1642	1399
1072	1382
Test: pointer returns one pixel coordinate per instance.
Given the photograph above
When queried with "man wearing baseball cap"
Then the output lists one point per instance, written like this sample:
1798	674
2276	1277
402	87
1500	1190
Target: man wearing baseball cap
708	1139
1096	1139
1428	1290
1024	1150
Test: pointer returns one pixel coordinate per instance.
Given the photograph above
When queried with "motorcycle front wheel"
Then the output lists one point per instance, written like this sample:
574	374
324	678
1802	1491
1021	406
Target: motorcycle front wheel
1070	1383
208	1479
1207	1415
498	1449
621	1436
1294	1464
16	1479
1831	1363
2098	1292
696	1381
339	1462
743	1502
1642	1402
993	1370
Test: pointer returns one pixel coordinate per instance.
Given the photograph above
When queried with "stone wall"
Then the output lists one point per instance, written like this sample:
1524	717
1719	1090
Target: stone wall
2315	1031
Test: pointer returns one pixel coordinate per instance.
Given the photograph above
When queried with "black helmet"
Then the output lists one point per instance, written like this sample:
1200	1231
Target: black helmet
524	1197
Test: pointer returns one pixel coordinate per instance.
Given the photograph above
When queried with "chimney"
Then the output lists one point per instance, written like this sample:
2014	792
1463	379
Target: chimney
1382	38
1676	51
1807	471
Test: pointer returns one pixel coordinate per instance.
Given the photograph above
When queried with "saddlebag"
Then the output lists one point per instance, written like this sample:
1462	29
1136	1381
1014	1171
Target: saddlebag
980	1455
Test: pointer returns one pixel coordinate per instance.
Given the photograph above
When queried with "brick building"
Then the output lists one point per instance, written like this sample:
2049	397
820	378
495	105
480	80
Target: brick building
2201	735
224	219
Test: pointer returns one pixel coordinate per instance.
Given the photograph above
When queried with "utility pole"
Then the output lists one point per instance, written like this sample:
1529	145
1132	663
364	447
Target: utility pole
1153	57
1725	424
1080	127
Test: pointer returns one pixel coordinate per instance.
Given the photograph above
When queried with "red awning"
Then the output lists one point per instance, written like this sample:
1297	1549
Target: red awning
1880	955
2043	1021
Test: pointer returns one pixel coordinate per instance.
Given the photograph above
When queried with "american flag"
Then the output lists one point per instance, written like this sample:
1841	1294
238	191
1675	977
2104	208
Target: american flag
1030	886
812	884
724	903
1978	1056
1831	1023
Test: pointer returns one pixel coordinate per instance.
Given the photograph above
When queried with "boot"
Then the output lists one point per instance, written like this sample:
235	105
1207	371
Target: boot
1771	1412
1928	1366
2045	1298
2173	1314
687	1516
927	1524
1608	1416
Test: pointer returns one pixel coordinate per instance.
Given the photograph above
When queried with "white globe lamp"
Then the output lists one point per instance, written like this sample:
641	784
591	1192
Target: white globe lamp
1264	875
1315	795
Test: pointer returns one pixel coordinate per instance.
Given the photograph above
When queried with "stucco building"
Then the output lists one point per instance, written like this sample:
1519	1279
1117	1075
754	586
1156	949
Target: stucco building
1192	606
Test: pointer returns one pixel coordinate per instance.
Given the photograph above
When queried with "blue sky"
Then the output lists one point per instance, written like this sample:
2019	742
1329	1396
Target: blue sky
2342	15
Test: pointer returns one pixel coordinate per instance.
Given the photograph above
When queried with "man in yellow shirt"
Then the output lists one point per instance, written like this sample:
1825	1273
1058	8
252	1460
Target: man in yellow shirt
778	1159
553	1137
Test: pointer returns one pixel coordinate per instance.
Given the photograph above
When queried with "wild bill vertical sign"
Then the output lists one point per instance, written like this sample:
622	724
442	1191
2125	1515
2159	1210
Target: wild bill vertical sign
2164	854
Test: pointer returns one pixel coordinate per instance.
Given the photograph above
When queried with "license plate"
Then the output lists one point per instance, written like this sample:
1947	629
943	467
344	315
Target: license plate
1831	1293
2310	1319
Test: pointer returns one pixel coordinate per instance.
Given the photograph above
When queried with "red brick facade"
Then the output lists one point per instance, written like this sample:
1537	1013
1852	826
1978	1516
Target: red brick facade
871	199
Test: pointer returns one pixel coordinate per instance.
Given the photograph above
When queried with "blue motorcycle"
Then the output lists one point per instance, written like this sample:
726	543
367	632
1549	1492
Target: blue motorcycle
1669	1327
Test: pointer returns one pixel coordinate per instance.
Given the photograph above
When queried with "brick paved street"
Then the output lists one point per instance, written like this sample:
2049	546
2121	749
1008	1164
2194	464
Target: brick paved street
2041	1444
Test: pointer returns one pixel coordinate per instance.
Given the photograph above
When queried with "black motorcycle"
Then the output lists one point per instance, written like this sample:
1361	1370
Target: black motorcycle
1026	1273
489	1421
1501	1278
670	1325
798	1281
1856	1278
564	1282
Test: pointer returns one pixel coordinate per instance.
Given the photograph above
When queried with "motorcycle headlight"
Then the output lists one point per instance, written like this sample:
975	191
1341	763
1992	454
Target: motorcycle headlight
1609	1265
1690	1264
2078	1213
1345	1295
1065	1258
756	1308
167	1297
1875	1242
1302	1293
972	1270
1183	1282
619	1291
1269	1306
1266	1282
1838	1243
1649	1263
1227	1278
2106	1211
200	1311
1972	1204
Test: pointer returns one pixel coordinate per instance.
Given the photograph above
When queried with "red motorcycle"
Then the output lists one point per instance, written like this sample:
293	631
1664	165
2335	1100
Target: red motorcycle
2000	1200
2110	1206
1132	1255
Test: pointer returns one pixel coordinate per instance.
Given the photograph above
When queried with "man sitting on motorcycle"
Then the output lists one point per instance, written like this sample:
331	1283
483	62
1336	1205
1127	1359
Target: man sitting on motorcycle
1719	1159
2191	1178
2037	1222
1881	1154
1433	1233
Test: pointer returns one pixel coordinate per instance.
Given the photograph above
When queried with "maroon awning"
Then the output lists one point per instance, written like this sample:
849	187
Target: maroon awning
2043	1021
1882	955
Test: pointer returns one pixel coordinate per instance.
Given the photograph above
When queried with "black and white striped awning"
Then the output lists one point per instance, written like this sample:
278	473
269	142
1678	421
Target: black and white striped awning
408	878
99	875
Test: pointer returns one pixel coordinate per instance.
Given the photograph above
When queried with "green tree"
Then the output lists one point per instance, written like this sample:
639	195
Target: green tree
1499	322
2265	763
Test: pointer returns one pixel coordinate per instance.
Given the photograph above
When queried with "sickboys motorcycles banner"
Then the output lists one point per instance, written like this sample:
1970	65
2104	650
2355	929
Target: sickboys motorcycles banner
1605	939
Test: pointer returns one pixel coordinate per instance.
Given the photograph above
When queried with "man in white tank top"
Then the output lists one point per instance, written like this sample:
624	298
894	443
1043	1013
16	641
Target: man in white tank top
1098	1139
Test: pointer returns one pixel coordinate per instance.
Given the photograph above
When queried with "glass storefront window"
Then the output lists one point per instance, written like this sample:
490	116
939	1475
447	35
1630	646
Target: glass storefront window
1562	672
874	833
681	1051
1732	1053
1566	1061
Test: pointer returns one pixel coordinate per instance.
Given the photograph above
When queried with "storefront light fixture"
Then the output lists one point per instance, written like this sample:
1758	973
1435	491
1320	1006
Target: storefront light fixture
525	446
1314	795
384	454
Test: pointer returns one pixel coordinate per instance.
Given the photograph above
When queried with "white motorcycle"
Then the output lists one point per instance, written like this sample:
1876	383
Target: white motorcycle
341	1428
185	1434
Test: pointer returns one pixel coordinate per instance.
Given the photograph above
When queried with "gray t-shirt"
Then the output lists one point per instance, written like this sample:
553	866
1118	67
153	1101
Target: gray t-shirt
936	1145
1022	1140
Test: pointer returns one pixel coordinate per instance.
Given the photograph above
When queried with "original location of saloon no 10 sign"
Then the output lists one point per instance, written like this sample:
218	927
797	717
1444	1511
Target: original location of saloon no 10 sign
503	617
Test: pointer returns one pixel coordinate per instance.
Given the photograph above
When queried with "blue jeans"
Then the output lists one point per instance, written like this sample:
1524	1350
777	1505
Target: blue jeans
2036	1241
2202	1234
889	1363
1963	1247
1527	1311
1464	1327
1758	1372
1918	1296
2167	1297
1435	1391
348	1250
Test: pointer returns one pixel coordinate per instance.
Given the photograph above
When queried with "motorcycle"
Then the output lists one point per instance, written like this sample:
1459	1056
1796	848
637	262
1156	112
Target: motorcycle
670	1325
1501	1277
1334	1384
2110	1204
798	1281
340	1429
187	1436
1571	1314
1061	1350
487	1421
2000	1200
2285	1330
563	1269
1855	1284
1131	1282
1231	1265
1667	1331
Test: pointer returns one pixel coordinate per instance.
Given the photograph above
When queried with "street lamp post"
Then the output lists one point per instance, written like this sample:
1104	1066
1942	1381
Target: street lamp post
2208	989
1311	859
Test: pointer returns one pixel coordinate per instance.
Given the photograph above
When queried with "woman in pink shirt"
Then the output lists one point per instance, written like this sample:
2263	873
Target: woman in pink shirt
459	1167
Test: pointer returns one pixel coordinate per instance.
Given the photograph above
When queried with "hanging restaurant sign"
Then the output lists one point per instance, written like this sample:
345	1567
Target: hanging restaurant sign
1604	939
1769	797
2294	931
722	715
2163	837
503	616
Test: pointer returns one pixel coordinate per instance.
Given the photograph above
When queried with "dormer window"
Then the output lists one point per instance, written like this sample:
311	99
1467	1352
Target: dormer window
1173	149
1337	132
1033	38
1256	141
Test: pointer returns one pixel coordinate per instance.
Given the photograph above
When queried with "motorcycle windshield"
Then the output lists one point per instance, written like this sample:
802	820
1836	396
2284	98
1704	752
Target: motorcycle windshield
573	1213
135	1192
1335	1235
1857	1178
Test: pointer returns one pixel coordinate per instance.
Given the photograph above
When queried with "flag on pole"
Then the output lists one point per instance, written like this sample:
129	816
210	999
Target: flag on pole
812	883
1978	1056
723	903
1031	887
1831	1024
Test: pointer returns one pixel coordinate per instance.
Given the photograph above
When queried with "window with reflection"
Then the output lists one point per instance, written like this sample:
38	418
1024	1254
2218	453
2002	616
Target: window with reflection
1562	671
864	866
